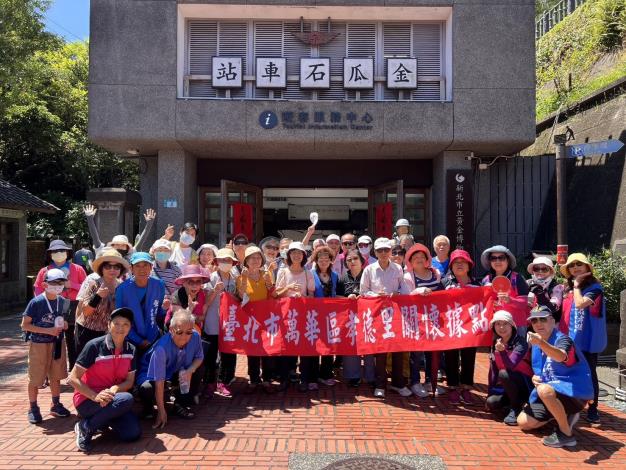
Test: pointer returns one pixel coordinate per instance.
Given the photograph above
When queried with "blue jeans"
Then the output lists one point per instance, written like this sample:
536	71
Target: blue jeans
352	368
117	414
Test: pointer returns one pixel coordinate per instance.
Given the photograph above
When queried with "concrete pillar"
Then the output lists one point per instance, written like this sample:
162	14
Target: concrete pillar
116	211
441	164
148	183
177	192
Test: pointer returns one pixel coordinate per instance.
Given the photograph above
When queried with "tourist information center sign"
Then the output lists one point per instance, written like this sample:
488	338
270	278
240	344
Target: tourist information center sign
320	120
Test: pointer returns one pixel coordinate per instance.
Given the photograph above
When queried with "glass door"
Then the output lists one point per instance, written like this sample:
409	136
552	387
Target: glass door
241	209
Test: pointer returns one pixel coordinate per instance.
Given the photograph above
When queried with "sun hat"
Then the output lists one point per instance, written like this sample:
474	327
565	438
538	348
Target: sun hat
191	271
382	242
365	239
484	258
297	246
332	237
122	312
139	257
502	315
252	250
402	223
225	253
55	275
161	243
540	311
120	239
418	247
541	260
109	255
58	245
572	259
207	246
461	254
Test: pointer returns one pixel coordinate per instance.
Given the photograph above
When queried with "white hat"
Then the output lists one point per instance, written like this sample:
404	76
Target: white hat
121	239
402	223
541	260
502	315
55	275
161	243
382	243
331	237
365	239
296	246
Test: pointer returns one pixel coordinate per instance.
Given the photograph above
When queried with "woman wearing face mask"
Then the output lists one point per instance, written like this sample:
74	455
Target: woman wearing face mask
364	245
220	281
283	247
544	289
325	286
292	281
59	256
182	252
165	269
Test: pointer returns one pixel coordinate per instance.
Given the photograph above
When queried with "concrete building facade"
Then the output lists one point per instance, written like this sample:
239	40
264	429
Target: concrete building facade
156	67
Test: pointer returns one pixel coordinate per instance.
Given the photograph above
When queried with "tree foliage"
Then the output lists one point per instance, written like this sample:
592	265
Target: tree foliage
44	147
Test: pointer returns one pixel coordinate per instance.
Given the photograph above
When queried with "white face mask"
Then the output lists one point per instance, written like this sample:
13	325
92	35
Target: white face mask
224	267
365	251
187	239
59	258
56	290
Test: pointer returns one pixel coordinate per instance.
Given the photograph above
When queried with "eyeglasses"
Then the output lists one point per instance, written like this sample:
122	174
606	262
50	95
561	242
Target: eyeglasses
498	258
240	242
398	252
539	269
383	250
577	264
180	332
347	243
352	260
112	266
539	320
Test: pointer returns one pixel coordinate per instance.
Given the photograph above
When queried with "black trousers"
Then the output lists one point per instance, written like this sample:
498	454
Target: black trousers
70	341
210	364
260	368
285	365
397	373
592	360
468	362
147	390
311	369
227	367
517	389
83	335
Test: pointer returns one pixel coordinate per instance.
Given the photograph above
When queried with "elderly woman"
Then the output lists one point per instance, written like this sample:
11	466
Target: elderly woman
510	371
206	255
101	395
96	298
543	287
182	252
164	269
190	295
459	277
584	317
397	253
441	261
499	261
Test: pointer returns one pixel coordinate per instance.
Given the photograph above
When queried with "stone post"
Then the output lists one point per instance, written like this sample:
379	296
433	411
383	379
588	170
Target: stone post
116	212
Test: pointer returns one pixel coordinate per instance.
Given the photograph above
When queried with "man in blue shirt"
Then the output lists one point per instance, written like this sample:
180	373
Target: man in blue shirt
176	357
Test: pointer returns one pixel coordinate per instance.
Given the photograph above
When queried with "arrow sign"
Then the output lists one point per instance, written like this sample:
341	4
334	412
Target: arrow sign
593	148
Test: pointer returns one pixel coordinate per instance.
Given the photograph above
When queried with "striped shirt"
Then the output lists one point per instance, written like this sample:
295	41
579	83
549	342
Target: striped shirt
168	275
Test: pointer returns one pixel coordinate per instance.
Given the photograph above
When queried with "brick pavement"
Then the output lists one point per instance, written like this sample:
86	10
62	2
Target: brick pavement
259	432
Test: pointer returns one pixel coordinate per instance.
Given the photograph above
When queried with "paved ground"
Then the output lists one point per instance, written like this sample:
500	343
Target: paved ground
262	432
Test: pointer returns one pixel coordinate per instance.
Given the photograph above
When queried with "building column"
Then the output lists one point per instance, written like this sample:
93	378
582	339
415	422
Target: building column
177	191
441	164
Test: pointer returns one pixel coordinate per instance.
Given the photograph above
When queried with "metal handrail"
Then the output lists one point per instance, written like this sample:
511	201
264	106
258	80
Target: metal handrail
555	15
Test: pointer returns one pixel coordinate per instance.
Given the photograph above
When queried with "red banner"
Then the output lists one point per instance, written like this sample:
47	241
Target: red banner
243	220
451	319
384	220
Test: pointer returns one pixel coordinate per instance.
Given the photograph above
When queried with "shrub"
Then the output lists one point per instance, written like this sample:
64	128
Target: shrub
610	269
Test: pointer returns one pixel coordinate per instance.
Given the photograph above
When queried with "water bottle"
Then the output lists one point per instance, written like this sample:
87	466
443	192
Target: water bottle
183	382
59	322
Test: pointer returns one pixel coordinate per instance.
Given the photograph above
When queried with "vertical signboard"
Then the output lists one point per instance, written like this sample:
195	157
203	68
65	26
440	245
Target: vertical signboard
460	209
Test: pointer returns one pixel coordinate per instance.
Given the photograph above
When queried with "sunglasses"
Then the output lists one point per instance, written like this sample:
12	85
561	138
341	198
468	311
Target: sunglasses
58	251
539	320
112	266
347	243
498	258
539	269
577	264
180	332
398	252
240	242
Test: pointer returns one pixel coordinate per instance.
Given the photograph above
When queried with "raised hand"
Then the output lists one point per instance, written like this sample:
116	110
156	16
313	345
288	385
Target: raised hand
149	215
90	210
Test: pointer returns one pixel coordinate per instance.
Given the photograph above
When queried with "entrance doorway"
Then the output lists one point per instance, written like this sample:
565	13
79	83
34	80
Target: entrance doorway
285	211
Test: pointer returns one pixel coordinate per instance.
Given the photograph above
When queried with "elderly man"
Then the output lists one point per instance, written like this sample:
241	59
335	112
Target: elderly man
562	381
176	357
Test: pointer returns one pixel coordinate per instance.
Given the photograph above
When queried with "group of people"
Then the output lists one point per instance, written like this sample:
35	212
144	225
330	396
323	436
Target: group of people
145	325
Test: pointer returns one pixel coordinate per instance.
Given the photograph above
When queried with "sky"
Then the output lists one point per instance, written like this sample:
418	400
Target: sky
69	19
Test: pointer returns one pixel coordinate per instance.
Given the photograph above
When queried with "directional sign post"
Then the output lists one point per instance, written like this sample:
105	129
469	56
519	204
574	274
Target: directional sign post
593	148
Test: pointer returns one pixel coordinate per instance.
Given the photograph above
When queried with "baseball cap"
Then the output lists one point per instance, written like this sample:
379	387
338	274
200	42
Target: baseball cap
540	311
382	242
55	275
122	312
365	239
140	256
332	237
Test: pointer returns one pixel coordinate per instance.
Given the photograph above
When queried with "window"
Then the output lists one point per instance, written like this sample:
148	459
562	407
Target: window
250	39
7	231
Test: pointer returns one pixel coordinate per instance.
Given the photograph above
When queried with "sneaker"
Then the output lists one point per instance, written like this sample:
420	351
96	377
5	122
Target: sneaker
438	390
34	415
592	414
419	390
327	382
83	437
59	411
511	418
455	397
558	439
223	390
402	391
466	397
313	386
354	382
572	420
379	393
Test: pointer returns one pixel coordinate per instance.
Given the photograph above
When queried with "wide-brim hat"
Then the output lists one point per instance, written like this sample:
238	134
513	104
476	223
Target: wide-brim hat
58	245
484	258
540	260
121	239
418	247
252	250
461	254
225	253
192	271
572	259
109	255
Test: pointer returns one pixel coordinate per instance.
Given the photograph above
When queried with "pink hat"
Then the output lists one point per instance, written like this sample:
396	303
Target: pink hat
461	254
192	271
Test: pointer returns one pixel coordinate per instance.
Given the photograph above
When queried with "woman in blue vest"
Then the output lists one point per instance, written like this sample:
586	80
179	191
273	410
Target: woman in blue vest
584	317
325	286
561	378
